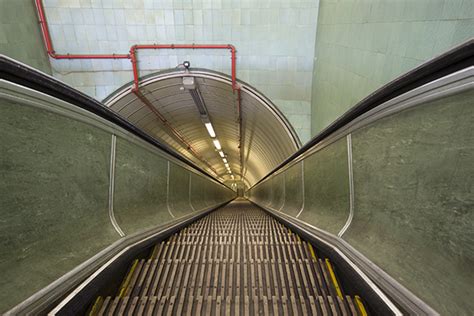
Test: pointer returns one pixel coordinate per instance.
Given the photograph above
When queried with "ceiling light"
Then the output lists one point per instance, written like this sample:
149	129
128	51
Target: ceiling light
210	130
199	101
221	153
224	160
217	144
226	165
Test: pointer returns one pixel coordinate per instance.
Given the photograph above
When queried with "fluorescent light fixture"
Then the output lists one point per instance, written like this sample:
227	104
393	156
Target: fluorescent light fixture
224	160
217	144
210	130
226	165
199	101
221	153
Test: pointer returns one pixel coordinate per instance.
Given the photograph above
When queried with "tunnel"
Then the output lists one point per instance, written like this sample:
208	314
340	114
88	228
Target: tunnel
208	99
322	165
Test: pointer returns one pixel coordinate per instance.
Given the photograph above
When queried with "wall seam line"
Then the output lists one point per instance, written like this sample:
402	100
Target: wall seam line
189	193
168	191
284	192
113	148
351	186
302	189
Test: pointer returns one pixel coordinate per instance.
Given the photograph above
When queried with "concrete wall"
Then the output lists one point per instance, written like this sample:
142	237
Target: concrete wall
275	43
20	36
362	45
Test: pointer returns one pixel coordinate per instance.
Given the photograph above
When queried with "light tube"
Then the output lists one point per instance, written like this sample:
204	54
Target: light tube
210	130
217	144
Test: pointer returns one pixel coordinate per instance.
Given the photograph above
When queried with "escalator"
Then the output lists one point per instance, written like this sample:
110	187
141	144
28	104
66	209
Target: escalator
238	260
371	217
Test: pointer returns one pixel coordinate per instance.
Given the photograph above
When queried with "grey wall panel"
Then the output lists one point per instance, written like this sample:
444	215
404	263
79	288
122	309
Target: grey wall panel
278	191
414	201
327	188
198	192
54	180
179	190
293	190
140	188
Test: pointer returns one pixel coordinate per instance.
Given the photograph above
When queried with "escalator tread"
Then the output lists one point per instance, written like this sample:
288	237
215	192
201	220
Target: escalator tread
237	260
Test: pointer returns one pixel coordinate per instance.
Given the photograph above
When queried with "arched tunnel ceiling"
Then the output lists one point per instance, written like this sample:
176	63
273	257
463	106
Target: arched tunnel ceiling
268	137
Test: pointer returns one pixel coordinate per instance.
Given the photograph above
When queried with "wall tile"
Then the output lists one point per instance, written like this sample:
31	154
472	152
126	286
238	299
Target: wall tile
360	46
274	39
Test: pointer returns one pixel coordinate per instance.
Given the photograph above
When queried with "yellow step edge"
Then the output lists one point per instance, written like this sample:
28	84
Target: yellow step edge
96	307
311	250
155	251
333	278
360	305
126	281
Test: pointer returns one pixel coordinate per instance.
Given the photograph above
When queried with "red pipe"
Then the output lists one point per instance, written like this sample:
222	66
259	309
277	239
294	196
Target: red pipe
232	49
132	55
49	44
133	58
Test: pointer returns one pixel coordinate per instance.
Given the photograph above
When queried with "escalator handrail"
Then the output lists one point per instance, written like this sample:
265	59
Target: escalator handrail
455	59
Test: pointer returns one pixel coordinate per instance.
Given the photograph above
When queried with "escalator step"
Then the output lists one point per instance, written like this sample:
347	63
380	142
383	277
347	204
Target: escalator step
237	260
218	305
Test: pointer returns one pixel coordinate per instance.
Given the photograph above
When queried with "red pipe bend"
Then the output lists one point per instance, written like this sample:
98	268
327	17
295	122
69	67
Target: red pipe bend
132	56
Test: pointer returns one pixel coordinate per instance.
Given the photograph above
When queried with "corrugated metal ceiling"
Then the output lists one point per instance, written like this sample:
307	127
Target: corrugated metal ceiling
268	138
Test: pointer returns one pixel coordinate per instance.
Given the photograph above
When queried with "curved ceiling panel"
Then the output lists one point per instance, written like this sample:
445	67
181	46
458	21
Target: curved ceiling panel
267	137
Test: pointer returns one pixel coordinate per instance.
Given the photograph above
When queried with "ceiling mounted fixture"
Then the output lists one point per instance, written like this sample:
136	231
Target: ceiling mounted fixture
190	85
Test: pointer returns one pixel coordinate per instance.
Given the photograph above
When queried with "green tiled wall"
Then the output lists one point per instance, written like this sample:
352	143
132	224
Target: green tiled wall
361	45
274	41
20	35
